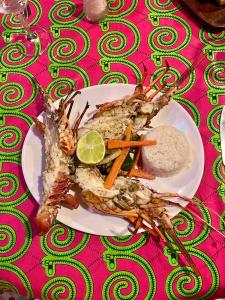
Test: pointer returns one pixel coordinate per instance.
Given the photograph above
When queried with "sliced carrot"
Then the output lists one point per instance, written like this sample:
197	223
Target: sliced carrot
115	144
116	167
135	162
141	174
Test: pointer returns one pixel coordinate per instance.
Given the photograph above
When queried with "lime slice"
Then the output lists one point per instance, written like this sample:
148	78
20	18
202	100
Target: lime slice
91	148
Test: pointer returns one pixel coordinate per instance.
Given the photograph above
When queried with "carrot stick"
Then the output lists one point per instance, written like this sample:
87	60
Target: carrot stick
135	162
141	174
114	171
114	144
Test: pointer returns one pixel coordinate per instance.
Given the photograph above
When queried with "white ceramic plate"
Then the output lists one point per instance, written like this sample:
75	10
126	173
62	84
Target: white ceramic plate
185	183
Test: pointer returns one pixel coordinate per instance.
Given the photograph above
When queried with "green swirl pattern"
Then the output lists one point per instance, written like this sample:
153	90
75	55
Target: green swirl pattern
185	232
14	56
63	280
7	180
13	96
62	13
5	285
27	236
9	90
66	263
7	233
162	7
59	286
167	37
132	247
56	234
11	138
121	276
58	87
65	48
182	281
21	275
114	77
116	41
121	8
122	281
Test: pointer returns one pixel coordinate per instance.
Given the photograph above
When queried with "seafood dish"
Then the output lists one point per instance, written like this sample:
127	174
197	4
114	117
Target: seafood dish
111	120
83	218
105	185
96	161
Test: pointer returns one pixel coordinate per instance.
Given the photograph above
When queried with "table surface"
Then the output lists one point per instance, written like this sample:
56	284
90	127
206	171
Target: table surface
69	264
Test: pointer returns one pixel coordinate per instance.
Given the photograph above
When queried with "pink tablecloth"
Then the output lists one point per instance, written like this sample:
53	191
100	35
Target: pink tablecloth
67	263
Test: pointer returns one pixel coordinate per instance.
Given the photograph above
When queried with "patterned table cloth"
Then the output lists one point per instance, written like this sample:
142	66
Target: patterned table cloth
67	263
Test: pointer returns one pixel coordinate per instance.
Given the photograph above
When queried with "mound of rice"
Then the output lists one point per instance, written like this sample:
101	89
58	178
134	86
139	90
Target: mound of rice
171	153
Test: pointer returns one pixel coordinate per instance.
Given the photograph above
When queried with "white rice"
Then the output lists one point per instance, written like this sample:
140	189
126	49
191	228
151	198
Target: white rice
171	153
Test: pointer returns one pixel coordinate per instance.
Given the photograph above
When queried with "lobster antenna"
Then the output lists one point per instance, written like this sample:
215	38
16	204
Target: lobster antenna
202	220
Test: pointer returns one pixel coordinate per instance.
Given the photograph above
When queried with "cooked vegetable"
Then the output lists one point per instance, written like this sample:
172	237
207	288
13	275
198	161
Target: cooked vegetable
110	157
114	144
135	162
116	167
141	174
130	157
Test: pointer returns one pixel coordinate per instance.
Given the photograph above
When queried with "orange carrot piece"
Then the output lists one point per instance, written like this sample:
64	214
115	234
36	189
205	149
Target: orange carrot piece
141	174
134	171
114	171
135	162
115	144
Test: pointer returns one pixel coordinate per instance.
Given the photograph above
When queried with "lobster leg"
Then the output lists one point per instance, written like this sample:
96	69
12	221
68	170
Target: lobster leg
157	209
150	86
150	98
144	74
147	218
70	102
139	88
77	123
72	93
163	202
39	125
170	231
138	223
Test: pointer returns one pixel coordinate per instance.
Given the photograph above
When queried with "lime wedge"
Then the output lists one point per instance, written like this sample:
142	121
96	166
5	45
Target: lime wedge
91	148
